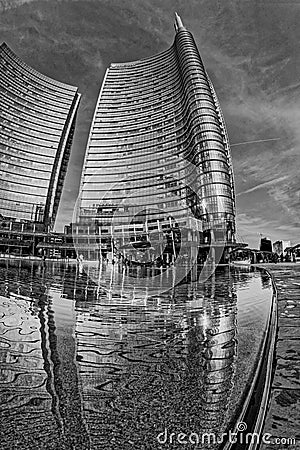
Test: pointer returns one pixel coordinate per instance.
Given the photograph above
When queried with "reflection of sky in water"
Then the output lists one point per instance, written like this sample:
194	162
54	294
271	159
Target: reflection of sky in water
179	360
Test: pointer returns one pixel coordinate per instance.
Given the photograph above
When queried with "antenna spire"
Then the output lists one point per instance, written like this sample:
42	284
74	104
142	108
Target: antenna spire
178	23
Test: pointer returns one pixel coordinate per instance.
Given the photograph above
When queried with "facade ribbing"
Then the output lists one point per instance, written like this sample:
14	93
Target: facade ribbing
158	148
37	120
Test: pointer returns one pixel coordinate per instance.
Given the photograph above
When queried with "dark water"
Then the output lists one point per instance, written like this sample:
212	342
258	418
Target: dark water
84	366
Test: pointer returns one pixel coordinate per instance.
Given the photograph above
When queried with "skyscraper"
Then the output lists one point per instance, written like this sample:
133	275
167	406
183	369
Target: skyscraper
37	120
158	154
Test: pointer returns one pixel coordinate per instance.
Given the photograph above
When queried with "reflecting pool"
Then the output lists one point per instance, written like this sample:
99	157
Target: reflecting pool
107	365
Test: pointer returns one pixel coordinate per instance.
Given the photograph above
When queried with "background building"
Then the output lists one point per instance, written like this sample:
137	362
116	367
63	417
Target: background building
37	119
280	246
265	245
158	157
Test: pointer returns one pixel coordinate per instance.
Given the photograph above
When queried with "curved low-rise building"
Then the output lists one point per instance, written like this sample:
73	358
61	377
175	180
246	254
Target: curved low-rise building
158	153
37	120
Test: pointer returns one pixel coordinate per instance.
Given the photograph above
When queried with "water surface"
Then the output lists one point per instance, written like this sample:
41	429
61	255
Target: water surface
89	366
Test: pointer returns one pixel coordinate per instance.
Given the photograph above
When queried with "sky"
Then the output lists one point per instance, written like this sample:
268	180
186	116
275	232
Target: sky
250	49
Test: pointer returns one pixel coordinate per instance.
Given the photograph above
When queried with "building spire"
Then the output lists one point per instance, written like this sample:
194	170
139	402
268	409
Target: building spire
178	23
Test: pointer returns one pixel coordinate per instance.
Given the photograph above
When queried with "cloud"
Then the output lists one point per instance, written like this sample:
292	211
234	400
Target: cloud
263	185
255	142
9	4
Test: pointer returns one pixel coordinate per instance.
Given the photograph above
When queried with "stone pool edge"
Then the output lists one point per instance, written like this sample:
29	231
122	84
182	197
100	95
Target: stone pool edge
258	396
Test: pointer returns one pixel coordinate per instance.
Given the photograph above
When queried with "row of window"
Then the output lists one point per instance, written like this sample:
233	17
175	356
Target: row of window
134	84
17	194
177	114
20	138
18	210
24	175
18	109
213	205
179	108
12	95
27	71
161	126
140	67
8	79
15	127
135	167
41	155
23	119
137	187
151	149
139	153
147	133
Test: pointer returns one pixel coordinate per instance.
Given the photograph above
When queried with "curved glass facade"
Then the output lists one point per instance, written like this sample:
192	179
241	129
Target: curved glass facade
158	147
37	120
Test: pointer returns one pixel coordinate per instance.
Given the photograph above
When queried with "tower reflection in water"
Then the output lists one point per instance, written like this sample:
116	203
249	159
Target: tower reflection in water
40	405
94	368
150	363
